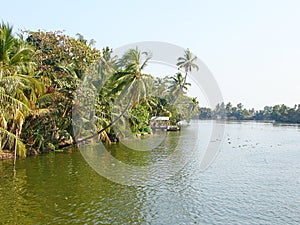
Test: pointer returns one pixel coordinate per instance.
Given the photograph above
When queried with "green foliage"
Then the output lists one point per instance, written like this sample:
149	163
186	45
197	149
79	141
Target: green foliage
187	62
40	71
19	89
145	129
139	117
61	63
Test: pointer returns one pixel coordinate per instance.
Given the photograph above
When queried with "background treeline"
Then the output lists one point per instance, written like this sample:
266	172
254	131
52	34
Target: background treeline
277	113
41	71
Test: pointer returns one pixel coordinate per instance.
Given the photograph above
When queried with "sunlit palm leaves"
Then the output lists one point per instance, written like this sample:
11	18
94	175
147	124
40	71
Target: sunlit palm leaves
178	85
19	91
130	84
187	62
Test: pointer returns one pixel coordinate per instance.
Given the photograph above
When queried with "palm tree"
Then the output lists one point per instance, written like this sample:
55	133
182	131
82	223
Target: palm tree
187	62
15	55
130	81
194	104
108	63
178	85
160	86
129	84
19	90
81	38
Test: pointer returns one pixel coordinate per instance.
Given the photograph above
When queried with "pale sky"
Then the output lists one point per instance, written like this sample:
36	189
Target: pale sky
252	47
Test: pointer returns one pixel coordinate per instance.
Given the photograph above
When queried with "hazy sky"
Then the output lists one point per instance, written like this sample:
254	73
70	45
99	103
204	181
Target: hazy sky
252	47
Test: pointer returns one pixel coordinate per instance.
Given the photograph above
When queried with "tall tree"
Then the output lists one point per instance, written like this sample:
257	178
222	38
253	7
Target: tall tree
61	62
161	86
128	84
19	89
187	62
178	86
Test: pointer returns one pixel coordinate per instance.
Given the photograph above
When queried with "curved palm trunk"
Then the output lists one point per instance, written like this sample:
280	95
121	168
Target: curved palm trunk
131	62
106	127
184	79
109	125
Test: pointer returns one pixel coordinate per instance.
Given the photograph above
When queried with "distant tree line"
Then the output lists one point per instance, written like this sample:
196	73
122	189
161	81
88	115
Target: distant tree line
277	113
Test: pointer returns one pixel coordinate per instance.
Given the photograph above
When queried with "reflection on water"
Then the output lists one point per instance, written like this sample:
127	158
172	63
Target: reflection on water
145	167
254	180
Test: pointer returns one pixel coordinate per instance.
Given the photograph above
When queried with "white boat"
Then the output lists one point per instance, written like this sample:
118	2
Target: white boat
173	128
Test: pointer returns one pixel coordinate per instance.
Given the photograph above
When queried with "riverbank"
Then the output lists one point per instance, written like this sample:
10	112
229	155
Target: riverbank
7	155
276	123
70	148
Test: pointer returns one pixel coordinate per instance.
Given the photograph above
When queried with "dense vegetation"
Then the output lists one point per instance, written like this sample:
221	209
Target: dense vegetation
40	72
277	113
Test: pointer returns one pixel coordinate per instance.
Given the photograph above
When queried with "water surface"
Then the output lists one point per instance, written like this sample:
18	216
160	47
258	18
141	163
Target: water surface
255	179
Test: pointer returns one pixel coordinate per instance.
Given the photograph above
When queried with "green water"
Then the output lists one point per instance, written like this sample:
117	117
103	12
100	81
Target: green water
254	180
62	188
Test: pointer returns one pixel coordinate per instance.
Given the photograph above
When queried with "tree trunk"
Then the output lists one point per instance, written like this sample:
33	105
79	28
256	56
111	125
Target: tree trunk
109	125
103	129
107	139
16	146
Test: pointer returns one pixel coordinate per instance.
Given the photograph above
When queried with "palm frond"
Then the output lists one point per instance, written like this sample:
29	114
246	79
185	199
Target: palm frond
16	103
12	140
46	98
3	121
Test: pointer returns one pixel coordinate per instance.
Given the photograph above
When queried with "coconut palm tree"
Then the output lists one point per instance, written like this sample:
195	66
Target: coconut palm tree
178	85
194	104
187	62
108	61
160	86
19	90
127	85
